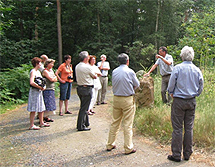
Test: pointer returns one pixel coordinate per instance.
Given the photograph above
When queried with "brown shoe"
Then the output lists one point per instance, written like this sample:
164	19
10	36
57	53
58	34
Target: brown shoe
111	148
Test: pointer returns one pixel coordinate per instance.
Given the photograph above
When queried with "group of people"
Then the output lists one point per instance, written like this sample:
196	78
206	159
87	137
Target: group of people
183	83
42	97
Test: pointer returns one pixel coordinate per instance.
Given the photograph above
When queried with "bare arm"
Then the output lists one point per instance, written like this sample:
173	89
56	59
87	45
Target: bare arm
164	60
46	74
32	83
152	69
57	74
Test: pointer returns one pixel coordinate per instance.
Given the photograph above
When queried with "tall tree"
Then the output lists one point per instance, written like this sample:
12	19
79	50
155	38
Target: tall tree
59	32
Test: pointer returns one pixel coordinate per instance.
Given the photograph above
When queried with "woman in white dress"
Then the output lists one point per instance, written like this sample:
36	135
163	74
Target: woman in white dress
97	84
35	98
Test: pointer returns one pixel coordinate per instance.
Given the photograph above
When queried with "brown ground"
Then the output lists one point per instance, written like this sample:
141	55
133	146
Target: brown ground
62	145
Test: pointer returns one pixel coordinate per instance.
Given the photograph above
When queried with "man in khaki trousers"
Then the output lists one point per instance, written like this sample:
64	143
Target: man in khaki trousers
124	82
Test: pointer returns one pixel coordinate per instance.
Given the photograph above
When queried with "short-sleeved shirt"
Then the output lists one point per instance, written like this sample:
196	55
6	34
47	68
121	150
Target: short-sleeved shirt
164	68
84	73
65	72
105	65
124	81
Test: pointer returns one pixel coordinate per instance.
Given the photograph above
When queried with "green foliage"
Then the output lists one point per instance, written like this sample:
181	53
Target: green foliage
15	84
156	121
141	55
200	34
13	54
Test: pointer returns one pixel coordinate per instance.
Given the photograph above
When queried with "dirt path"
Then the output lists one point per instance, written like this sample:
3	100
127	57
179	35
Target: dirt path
62	145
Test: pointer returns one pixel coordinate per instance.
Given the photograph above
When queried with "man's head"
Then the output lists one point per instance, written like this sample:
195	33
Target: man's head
103	57
187	53
84	56
162	51
123	59
44	58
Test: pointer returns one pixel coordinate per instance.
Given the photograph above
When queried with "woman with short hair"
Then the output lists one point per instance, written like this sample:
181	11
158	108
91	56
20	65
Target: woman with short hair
66	79
49	93
35	99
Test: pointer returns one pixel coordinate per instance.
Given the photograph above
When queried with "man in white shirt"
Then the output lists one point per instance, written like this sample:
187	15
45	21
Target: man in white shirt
104	66
84	76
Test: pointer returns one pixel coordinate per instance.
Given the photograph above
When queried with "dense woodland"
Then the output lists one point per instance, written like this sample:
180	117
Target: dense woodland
30	28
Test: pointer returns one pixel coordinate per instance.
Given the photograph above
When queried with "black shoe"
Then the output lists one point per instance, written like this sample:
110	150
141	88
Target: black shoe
85	129
171	158
103	103
186	159
98	103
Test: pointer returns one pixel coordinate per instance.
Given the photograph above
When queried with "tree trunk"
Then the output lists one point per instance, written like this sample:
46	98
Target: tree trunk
59	32
36	27
98	22
21	20
156	26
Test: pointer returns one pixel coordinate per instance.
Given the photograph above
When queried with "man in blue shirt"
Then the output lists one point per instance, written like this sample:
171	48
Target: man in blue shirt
165	63
124	82
186	82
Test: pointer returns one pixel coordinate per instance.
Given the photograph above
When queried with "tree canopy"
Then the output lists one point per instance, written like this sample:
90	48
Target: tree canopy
29	29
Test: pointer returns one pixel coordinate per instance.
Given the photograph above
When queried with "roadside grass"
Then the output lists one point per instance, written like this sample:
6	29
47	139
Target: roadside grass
8	107
156	121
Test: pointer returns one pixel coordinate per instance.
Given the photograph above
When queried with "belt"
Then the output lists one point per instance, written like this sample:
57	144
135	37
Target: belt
104	76
166	75
123	96
86	86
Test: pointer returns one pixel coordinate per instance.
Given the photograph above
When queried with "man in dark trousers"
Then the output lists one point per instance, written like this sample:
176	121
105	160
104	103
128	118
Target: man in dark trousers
84	76
186	82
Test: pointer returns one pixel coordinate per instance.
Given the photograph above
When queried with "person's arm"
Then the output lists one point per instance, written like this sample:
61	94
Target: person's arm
201	84
32	83
172	82
152	69
57	74
46	74
164	60
104	68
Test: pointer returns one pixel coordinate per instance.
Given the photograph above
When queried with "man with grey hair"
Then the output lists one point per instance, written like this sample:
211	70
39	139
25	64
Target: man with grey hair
124	83
44	59
84	77
186	82
104	66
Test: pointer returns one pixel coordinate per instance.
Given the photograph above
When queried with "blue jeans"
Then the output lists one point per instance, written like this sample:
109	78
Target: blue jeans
65	90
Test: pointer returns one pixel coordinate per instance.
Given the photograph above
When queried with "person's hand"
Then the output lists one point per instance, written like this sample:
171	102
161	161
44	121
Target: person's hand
158	56
62	81
171	95
42	88
147	74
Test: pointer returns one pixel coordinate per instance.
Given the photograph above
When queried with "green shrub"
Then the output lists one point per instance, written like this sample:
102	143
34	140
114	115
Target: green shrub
15	84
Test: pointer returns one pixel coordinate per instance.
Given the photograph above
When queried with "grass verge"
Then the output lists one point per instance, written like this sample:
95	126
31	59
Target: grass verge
156	121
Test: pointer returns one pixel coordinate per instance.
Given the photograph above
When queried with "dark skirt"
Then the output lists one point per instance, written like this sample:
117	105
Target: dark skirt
49	100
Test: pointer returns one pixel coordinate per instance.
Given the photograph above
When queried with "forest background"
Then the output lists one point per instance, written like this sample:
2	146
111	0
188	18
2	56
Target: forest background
30	28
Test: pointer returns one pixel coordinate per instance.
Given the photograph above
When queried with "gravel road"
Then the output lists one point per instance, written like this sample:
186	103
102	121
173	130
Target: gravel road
62	145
